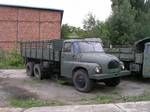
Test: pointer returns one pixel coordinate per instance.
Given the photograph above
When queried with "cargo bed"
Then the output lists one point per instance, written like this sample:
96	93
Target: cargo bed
42	50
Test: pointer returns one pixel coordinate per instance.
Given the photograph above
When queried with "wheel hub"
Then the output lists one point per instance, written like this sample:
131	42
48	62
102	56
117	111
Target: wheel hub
80	81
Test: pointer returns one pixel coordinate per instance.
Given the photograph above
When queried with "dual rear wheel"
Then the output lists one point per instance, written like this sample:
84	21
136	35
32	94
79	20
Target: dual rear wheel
36	70
29	69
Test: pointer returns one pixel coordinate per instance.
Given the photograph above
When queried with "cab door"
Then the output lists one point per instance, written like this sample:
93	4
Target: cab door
67	59
146	61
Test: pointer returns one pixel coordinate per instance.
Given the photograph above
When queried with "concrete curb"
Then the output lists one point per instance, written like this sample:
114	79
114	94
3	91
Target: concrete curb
120	107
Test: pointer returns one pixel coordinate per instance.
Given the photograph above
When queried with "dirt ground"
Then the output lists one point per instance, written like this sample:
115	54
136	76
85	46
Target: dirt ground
16	84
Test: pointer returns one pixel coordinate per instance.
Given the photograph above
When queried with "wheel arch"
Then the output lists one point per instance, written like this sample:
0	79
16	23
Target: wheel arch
79	68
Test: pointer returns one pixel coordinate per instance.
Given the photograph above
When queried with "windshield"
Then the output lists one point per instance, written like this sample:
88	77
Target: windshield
90	46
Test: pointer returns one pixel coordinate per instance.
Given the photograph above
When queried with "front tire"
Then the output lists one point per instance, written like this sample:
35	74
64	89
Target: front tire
38	72
82	82
112	82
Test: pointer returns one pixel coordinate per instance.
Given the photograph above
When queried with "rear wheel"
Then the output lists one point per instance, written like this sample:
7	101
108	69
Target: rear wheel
29	69
112	82
38	72
82	82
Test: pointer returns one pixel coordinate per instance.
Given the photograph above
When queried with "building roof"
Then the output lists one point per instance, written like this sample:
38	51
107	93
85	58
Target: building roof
30	7
33	7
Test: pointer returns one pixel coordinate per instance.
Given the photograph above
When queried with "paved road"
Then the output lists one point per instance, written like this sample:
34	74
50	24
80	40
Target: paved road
121	107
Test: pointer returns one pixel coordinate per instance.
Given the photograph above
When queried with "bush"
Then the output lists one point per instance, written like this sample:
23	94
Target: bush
11	60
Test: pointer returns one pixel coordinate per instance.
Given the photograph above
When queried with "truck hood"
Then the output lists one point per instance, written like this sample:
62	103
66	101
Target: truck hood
100	58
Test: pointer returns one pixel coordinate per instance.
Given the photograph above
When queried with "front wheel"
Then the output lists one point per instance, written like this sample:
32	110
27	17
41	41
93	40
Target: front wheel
82	82
113	82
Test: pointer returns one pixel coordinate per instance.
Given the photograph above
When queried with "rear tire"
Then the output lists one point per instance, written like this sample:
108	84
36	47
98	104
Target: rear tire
82	82
38	72
29	69
112	82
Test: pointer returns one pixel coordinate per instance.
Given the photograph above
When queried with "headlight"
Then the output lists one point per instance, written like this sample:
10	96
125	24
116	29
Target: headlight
98	70
122	66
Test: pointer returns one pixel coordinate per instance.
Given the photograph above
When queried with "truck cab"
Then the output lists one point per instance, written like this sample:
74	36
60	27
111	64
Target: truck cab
84	61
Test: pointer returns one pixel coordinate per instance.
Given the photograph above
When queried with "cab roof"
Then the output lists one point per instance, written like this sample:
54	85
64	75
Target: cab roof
140	45
83	39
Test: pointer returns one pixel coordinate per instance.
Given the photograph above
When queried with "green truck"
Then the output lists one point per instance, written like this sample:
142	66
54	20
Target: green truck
136	58
83	61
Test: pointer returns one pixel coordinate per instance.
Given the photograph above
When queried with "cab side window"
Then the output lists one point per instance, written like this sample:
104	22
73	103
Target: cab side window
67	47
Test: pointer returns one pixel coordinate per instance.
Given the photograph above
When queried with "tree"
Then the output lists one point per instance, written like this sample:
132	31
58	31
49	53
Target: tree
95	28
142	17
122	24
65	31
68	31
89	22
129	21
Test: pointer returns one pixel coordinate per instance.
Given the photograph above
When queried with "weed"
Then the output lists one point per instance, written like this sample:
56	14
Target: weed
117	98
62	82
33	103
11	60
136	98
104	99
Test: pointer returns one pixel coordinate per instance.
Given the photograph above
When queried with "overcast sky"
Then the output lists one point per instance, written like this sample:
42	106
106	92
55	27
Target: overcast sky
74	10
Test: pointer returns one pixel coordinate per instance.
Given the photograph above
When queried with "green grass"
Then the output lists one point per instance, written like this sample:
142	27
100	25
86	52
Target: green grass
62	82
104	99
136	98
11	60
114	98
20	103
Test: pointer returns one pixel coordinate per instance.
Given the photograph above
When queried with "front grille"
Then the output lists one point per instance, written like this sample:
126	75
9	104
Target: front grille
113	64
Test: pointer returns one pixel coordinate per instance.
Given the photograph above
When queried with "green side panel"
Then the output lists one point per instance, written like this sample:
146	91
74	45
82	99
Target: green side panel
56	54
33	52
116	54
39	53
139	58
124	54
43	50
46	53
27	52
57	44
126	50
111	50
51	54
146	64
23	52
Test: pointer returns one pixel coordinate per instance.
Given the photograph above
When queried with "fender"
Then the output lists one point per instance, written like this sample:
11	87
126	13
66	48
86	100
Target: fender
90	67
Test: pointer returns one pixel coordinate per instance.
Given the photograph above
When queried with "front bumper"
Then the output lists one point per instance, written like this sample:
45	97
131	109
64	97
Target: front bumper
111	75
